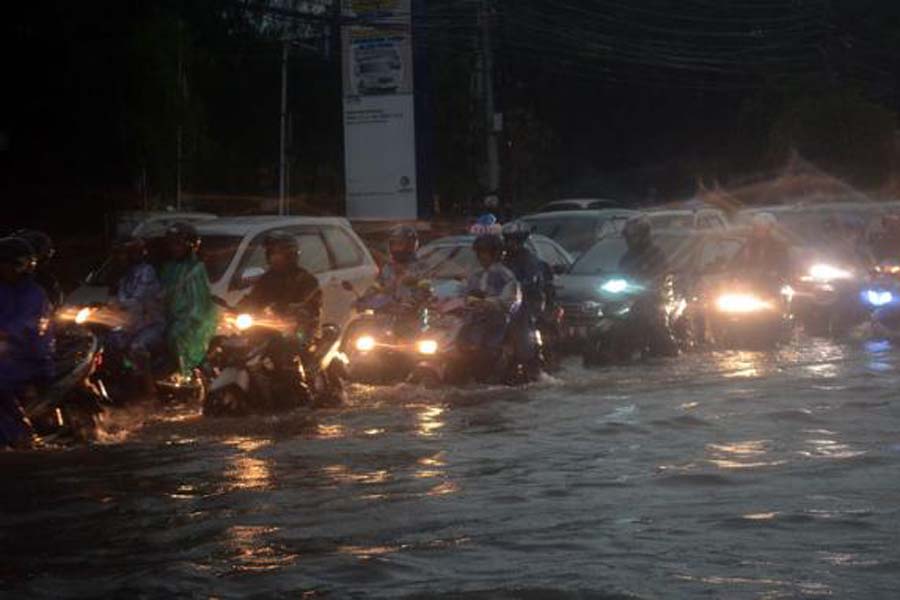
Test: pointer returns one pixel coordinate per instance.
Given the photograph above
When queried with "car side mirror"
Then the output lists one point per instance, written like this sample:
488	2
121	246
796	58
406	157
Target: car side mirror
347	286
560	269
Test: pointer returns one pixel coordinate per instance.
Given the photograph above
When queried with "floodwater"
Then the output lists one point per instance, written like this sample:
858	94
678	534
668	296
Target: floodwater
732	475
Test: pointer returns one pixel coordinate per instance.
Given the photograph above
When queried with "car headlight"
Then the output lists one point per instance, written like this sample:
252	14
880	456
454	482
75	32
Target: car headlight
365	343
878	297
741	303
824	273
243	321
615	286
427	347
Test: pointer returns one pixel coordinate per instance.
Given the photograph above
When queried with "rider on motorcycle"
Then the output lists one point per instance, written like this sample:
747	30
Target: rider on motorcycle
530	272
190	314
492	293
646	262
399	278
138	295
42	244
288	290
26	343
286	286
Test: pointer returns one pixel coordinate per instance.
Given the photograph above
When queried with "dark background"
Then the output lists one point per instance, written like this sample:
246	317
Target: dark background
635	99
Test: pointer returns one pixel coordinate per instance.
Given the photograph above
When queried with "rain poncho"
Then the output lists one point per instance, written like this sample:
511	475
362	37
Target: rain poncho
139	294
498	285
27	341
191	316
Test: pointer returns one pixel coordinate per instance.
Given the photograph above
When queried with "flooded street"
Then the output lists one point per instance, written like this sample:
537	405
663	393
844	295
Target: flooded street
734	475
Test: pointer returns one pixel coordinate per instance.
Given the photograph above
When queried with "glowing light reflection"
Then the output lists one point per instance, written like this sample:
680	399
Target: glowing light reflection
429	421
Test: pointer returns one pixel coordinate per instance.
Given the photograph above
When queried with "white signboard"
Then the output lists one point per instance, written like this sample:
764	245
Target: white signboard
379	119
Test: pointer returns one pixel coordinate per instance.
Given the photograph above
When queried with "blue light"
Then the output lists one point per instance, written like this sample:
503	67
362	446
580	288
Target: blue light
878	297
615	286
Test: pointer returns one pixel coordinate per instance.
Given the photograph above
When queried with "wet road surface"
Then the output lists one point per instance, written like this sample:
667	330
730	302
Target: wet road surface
729	475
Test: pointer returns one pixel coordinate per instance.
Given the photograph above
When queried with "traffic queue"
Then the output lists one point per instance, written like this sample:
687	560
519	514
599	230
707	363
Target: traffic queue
266	315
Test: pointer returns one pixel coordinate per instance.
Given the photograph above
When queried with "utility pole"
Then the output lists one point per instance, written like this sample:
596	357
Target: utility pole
179	89
282	162
493	156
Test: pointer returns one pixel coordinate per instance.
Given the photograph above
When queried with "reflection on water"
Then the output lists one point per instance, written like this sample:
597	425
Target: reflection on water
741	455
246	472
253	551
429	420
740	364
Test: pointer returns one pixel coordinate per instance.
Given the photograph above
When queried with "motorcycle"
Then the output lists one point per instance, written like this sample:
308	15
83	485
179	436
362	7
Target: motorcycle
444	357
122	379
748	313
826	299
258	366
380	340
71	408
636	318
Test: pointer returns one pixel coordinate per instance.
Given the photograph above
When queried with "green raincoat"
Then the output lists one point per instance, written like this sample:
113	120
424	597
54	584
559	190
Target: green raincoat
191	316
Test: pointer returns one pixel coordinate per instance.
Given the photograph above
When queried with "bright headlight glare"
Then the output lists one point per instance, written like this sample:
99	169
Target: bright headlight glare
243	321
615	286
427	347
365	343
825	272
879	297
82	316
740	303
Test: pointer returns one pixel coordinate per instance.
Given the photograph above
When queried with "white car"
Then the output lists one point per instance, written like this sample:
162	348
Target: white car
232	249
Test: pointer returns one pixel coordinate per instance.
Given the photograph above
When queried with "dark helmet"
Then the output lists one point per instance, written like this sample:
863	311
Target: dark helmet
403	243
184	233
282	241
488	243
40	242
637	231
17	252
517	231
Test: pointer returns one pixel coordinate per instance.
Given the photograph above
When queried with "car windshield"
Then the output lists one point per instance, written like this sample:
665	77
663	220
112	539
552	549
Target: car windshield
605	255
217	252
671	221
448	262
577	235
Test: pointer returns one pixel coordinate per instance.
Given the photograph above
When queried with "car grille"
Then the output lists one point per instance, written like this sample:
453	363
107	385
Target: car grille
576	314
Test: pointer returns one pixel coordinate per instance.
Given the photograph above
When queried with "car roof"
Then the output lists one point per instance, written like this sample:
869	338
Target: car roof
598	213
460	240
241	226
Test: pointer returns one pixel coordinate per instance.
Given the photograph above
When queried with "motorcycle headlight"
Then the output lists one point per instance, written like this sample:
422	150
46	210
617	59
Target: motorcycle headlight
427	347
741	303
243	321
82	316
365	343
615	286
823	273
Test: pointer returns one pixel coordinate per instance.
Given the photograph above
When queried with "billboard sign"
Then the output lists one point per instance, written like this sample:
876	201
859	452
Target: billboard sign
379	119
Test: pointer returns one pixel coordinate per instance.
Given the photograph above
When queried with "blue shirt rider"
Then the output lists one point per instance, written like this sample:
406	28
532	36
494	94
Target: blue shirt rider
138	295
493	293
26	341
531	274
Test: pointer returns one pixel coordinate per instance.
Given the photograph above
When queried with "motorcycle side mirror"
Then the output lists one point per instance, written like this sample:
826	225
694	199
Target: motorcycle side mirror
220	302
